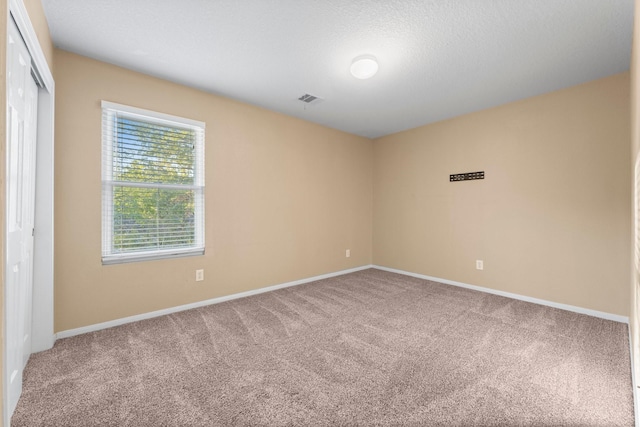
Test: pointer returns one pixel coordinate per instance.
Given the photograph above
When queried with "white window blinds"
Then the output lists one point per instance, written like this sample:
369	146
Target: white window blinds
152	185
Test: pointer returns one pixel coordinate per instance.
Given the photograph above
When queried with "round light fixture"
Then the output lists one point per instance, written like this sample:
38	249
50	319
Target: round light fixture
364	67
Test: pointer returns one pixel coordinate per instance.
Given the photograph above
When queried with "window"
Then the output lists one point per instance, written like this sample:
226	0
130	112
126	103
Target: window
152	185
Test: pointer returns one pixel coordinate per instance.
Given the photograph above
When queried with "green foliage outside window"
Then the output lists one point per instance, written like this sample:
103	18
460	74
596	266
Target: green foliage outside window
150	210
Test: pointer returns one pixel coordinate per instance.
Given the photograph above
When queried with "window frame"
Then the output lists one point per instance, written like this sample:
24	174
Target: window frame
110	111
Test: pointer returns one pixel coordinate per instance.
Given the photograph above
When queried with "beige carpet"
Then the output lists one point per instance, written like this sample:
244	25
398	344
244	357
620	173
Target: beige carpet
368	348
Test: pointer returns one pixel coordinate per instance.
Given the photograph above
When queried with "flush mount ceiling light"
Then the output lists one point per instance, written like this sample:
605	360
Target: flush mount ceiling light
364	67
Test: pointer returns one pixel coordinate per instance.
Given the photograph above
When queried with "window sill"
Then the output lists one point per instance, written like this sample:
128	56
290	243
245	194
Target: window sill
150	256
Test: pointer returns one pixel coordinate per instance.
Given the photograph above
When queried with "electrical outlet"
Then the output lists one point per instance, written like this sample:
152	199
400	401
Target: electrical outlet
347	254
199	275
479	264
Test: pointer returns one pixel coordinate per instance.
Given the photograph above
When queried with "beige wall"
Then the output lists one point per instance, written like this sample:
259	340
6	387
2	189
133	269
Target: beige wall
552	218
284	198
550	221
634	320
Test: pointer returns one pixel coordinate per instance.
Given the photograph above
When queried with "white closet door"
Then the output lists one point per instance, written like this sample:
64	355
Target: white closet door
22	108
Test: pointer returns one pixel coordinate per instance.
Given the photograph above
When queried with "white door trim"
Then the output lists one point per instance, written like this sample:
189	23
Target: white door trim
42	324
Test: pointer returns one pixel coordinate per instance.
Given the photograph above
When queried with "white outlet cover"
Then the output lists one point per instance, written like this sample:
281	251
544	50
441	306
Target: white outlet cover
479	264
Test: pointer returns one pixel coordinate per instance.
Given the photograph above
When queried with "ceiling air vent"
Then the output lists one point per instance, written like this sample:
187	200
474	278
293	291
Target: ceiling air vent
309	99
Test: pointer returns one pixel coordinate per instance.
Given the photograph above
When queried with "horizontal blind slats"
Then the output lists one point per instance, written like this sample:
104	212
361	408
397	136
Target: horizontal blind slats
134	146
153	179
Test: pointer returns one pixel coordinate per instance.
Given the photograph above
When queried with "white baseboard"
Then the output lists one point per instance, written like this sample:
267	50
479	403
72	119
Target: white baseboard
589	312
152	314
117	322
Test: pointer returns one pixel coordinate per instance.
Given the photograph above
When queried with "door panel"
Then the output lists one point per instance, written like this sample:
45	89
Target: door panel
21	131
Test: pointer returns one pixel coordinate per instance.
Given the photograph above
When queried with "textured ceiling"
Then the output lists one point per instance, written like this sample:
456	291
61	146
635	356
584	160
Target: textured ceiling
438	59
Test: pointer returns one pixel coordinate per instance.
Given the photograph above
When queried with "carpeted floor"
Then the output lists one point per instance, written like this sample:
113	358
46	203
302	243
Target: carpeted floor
368	348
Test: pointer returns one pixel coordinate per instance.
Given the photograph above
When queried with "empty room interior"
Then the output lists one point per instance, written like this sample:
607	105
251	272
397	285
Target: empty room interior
320	213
